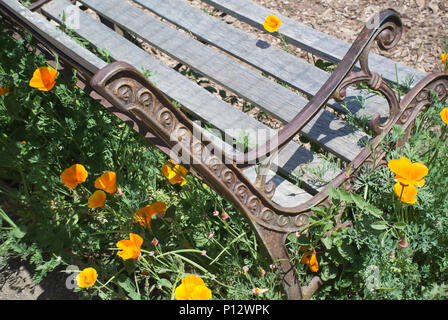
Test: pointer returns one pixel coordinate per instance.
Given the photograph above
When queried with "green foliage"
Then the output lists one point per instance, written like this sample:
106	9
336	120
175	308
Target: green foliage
284	43
325	65
43	133
348	257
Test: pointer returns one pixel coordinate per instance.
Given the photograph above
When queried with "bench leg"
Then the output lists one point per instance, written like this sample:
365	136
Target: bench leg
274	242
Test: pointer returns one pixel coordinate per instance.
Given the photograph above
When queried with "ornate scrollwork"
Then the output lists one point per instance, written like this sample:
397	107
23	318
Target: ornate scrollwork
125	92
387	36
269	189
133	96
147	99
419	98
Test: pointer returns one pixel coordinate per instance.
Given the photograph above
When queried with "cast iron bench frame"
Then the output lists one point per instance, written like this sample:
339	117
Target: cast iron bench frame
126	92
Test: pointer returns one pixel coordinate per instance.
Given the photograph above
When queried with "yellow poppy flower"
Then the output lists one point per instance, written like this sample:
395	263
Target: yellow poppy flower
4	91
74	175
192	288
175	173
107	182
444	58
131	247
144	215
408	173
272	23
86	278
406	194
44	78
444	115
310	259
97	199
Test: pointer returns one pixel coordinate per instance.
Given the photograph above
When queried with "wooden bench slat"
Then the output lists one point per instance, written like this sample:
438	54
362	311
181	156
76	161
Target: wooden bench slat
197	100
326	129
312	40
283	66
55	36
286	193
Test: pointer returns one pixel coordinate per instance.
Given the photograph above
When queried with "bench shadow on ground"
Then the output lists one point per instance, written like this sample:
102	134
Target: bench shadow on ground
16	283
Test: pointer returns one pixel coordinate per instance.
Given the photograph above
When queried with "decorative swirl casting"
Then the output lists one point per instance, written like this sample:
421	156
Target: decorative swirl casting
419	98
133	96
386	37
254	202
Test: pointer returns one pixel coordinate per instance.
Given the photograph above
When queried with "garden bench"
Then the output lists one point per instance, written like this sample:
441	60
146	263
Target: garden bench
259	182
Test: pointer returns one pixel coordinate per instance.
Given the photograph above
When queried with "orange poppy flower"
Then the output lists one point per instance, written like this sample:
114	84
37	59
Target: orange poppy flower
406	194
44	78
144	215
74	175
192	288
97	199
444	115
86	278
408	173
107	182
310	259
4	91
272	23
131	247
444	58
259	291
175	173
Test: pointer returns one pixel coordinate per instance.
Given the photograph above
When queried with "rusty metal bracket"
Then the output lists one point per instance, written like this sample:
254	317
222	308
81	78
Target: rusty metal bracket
36	5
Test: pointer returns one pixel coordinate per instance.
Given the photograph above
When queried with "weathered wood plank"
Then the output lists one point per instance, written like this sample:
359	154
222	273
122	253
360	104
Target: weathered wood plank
286	194
283	66
196	100
58	39
311	40
332	133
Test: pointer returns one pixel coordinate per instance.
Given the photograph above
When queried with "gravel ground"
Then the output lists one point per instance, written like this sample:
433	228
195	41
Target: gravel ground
16	283
420	47
425	24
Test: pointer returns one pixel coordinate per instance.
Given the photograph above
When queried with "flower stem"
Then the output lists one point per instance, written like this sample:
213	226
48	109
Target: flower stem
227	248
5	217
113	277
437	149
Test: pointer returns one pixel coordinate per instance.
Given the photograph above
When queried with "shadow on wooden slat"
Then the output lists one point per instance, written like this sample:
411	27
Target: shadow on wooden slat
262	44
